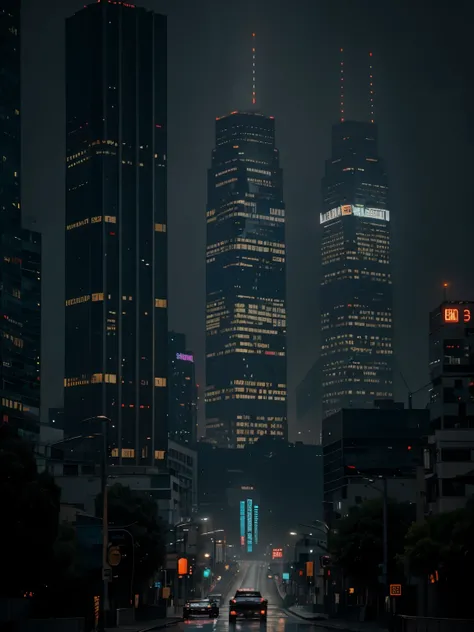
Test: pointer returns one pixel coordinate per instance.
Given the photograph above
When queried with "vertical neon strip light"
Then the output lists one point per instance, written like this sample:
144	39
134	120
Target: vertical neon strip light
341	83
371	89
249	526
255	524
254	79
242	523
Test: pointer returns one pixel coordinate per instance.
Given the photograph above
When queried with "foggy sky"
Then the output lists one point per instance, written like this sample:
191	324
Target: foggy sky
423	81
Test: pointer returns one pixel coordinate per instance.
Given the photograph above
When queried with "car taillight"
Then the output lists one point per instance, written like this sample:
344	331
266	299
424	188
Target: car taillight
262	611
262	600
232	601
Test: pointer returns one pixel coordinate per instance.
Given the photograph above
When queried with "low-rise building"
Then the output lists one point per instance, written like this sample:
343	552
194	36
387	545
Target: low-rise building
449	455
361	444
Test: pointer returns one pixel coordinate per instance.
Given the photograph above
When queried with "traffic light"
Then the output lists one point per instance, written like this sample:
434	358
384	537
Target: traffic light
325	561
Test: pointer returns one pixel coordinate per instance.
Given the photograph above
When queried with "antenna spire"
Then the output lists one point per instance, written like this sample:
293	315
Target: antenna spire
371	89
254	79
341	84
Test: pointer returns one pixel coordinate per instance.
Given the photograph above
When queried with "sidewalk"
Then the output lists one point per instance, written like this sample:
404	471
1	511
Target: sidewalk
144	626
321	622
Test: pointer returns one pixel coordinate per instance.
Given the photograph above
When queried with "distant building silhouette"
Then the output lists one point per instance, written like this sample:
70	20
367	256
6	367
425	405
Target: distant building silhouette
182	418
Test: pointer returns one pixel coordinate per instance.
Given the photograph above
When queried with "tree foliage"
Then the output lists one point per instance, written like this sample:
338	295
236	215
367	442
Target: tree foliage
443	543
30	510
357	542
138	513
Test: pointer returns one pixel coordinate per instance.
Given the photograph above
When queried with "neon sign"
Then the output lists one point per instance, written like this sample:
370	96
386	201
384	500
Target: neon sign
249	526
186	357
458	314
242	522
255	524
277	554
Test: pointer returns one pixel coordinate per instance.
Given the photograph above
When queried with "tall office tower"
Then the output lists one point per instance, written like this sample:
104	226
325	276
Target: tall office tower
116	240
448	457
182	415
245	284
20	252
356	286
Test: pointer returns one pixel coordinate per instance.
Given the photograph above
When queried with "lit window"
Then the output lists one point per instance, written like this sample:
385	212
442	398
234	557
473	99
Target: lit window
160	381
160	455
160	228
161	302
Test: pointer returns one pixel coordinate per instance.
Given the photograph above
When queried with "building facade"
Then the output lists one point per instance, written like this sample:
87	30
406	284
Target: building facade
308	406
182	417
362	444
20	252
356	285
449	456
246	392
116	239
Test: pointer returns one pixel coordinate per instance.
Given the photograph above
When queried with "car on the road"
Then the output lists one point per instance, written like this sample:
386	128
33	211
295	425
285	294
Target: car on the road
217	597
201	608
248	603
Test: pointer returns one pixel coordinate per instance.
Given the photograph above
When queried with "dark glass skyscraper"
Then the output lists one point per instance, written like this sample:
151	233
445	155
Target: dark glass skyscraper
356	287
20	251
116	240
182	418
245	284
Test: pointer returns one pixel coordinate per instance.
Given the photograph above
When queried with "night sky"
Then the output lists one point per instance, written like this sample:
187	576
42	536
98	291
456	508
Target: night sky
424	83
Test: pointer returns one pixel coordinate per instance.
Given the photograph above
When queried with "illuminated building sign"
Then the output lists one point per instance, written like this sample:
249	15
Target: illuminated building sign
255	524
249	526
187	357
456	314
242	522
355	209
277	554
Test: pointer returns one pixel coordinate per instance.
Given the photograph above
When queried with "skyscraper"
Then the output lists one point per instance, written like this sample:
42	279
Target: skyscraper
20	251
116	240
356	286
245	284
182	417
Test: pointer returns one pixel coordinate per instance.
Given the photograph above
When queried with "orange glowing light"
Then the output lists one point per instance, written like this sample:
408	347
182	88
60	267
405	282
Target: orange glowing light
467	315
182	566
451	315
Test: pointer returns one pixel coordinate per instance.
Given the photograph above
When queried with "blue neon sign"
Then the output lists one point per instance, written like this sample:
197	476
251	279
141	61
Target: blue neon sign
249	525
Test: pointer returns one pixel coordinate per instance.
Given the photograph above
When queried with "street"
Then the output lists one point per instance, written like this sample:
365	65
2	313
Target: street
251	575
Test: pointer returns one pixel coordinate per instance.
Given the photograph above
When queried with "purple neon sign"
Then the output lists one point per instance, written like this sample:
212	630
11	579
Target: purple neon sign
187	357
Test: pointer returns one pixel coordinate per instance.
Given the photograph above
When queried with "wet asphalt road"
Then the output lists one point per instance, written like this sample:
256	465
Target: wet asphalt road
251	575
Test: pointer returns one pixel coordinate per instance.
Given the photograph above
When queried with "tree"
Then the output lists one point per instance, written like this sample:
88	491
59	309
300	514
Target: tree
357	542
442	548
138	513
30	511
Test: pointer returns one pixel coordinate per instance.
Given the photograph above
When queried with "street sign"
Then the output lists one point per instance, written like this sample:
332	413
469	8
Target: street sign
309	569
395	590
286	577
115	556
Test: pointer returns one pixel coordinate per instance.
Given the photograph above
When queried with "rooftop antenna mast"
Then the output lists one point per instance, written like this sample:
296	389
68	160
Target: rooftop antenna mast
341	84
254	78
371	89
